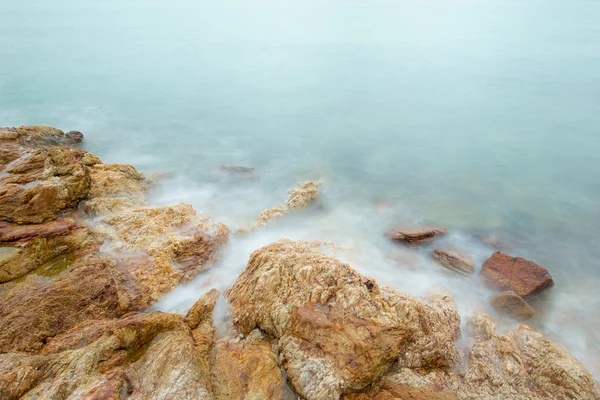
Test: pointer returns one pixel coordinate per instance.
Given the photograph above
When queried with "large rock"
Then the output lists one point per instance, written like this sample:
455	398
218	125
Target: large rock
42	184
114	187
387	390
512	304
414	237
142	356
160	247
338	331
24	248
524	277
247	368
33	311
454	260
520	365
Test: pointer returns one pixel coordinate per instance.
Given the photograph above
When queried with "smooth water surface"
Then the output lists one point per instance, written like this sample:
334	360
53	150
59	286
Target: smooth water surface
481	116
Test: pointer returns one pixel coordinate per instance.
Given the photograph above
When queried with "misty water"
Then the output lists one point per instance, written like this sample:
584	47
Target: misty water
479	116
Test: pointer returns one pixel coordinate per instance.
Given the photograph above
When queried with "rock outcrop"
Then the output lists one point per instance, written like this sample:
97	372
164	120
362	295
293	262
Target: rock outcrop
454	260
414	237
525	278
337	330
513	305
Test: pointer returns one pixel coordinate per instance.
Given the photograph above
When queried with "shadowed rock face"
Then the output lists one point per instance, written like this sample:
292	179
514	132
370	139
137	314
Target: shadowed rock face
524	277
513	305
338	331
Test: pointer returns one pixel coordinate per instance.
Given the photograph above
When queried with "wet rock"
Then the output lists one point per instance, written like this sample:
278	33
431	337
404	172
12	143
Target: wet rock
524	277
247	368
298	198
161	247
41	185
512	304
114	187
337	330
27	247
74	136
480	327
141	356
242	172
454	260
414	237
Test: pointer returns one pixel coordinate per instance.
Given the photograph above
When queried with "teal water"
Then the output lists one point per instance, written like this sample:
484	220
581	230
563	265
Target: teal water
479	116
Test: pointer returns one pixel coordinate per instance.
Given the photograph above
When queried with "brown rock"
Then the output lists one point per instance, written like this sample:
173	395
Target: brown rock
387	390
525	278
414	237
247	369
454	260
142	356
74	136
27	247
513	305
338	331
480	328
42	184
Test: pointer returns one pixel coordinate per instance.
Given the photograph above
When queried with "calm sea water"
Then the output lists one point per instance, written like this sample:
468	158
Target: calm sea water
482	116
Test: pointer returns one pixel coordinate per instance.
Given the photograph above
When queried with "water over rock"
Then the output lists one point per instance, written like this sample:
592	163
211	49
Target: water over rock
512	304
414	237
524	277
454	260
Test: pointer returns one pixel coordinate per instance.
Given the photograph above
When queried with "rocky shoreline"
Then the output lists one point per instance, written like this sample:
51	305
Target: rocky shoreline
83	257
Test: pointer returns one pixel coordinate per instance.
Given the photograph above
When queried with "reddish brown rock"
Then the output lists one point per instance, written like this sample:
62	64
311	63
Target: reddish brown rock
524	277
454	260
27	247
414	237
513	305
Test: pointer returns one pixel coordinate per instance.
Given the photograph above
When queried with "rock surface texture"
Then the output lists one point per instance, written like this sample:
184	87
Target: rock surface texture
414	237
524	277
513	305
454	260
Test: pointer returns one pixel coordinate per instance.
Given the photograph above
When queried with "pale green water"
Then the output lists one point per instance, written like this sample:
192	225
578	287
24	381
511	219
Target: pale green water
478	115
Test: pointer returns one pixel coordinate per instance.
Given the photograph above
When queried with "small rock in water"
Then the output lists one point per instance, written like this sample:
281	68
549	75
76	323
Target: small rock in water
74	136
238	171
513	305
414	237
454	260
524	277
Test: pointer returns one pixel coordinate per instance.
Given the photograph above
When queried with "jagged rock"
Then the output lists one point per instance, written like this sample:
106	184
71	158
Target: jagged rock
513	305
299	197
414	237
26	247
32	311
390	391
524	277
454	260
141	356
480	328
338	331
247	368
161	247
114	187
42	184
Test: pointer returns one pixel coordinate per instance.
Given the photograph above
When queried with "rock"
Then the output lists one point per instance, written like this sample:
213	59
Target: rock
161	247
32	312
414	237
114	187
247	368
480	328
298	198
74	136
525	278
513	305
27	247
141	356
387	390
238	171
454	260
337	331
43	184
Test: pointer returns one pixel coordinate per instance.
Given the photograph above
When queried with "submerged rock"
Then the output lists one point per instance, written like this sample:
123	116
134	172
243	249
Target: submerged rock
337	330
414	237
524	277
454	260
512	304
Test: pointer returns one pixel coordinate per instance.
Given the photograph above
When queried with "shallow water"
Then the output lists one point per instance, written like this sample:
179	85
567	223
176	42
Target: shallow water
482	117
